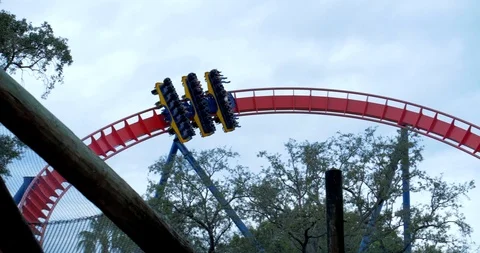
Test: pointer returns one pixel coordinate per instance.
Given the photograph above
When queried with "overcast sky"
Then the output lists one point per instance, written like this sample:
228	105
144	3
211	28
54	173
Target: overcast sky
424	52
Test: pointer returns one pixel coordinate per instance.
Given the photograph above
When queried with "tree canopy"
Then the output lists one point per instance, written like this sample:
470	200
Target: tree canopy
289	195
191	207
10	149
284	202
34	49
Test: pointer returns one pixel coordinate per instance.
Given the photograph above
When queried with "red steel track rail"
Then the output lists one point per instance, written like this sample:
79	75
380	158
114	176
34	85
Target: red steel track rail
48	187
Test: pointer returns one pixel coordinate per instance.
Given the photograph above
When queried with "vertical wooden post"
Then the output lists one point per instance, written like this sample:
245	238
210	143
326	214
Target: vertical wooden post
38	128
334	199
16	236
405	167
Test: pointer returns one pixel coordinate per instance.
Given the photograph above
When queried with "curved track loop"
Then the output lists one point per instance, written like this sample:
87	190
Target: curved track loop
48	187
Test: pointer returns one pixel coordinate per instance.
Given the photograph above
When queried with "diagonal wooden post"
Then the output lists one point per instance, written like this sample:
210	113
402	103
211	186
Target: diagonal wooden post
16	236
34	125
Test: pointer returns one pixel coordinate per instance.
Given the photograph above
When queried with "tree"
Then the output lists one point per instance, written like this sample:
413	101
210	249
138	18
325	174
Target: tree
289	194
286	199
274	239
190	207
25	47
10	149
270	237
103	235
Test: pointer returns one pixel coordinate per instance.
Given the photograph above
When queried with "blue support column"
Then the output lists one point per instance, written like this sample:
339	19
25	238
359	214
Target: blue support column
373	218
370	227
218	195
166	172
395	158
405	166
19	194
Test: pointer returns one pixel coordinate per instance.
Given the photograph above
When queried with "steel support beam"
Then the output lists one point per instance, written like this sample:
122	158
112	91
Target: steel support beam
167	171
218	195
391	170
26	182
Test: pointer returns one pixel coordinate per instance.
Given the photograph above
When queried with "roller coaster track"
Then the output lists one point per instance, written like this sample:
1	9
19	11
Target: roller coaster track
46	190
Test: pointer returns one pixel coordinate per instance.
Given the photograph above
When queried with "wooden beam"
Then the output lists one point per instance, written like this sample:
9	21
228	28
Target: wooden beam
16	236
334	205
34	125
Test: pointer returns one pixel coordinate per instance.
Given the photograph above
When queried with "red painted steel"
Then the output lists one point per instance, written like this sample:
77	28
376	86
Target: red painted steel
48	187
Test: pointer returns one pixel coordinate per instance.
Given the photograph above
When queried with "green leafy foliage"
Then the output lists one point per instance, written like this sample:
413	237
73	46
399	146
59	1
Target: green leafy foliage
271	238
190	207
289	193
285	201
25	47
33	49
10	149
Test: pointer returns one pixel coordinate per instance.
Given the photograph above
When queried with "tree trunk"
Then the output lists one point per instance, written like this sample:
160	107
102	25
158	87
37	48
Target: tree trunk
211	242
304	248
